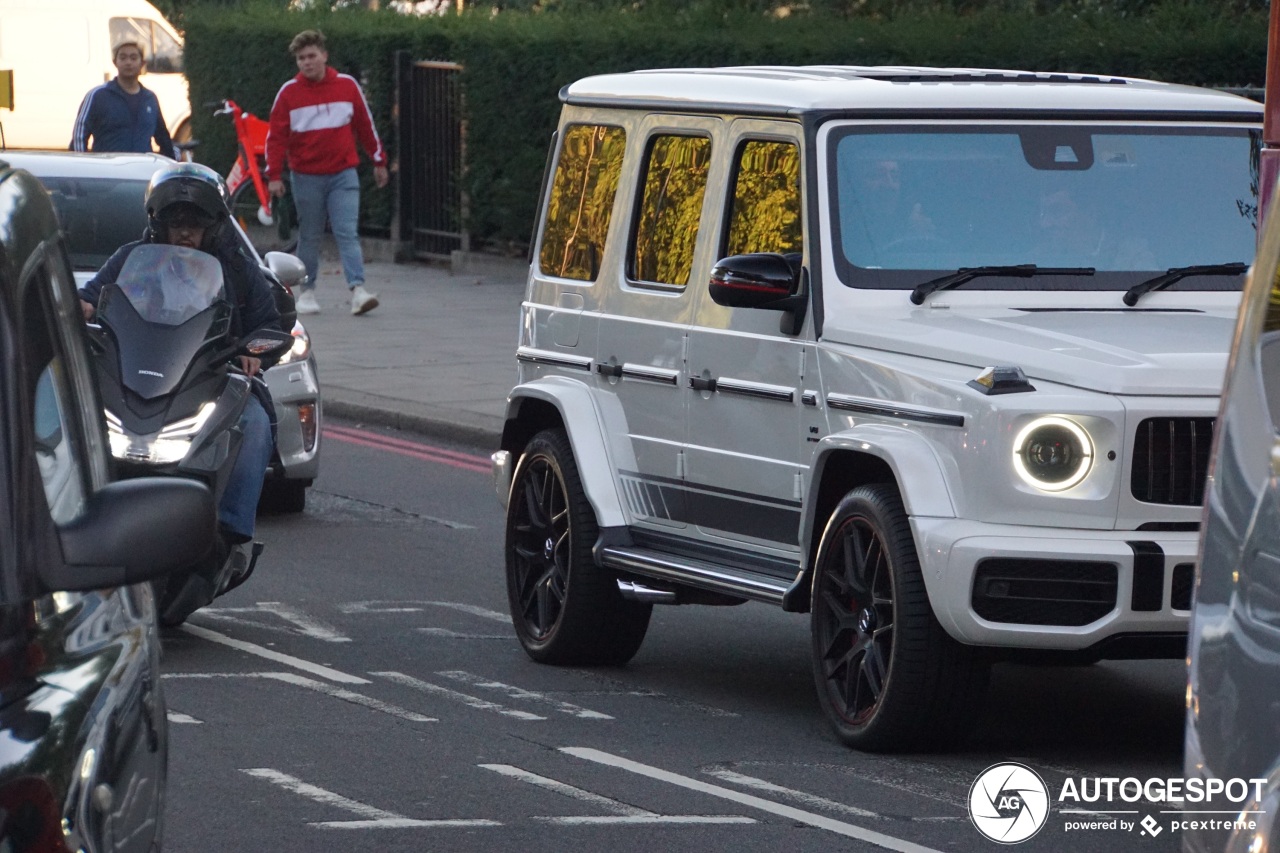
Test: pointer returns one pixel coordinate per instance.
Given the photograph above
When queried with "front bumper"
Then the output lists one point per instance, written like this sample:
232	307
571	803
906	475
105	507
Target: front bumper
295	392
1141	567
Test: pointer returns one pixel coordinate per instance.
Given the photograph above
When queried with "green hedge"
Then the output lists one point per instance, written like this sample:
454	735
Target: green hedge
515	65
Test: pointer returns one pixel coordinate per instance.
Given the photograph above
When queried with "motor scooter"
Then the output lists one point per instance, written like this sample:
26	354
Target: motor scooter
173	397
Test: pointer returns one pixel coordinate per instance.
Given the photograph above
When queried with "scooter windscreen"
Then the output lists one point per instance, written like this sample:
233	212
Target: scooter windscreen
166	304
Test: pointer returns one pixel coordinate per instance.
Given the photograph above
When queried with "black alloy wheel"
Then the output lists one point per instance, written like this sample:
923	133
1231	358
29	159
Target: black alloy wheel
889	678
565	609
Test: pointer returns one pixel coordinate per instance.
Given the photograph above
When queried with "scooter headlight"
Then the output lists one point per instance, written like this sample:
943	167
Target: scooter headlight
1053	454
169	445
301	345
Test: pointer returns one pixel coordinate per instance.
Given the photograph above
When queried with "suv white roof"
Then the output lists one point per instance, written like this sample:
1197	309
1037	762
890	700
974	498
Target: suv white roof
778	90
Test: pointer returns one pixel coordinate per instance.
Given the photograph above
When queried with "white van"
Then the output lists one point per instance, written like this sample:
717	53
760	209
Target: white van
60	49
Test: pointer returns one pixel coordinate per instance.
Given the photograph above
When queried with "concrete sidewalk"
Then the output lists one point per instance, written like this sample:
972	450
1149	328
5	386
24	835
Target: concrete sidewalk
436	356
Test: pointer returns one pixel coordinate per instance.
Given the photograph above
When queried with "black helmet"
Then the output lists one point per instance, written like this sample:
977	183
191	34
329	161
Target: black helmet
186	186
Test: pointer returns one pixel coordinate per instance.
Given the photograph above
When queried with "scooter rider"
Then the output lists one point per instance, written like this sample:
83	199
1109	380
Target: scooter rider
186	206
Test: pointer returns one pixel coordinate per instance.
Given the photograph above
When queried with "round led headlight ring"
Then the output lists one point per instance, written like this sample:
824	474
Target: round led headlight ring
1052	454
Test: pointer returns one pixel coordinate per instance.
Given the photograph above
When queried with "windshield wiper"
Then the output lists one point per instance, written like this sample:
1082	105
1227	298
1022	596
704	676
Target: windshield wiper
966	274
1160	282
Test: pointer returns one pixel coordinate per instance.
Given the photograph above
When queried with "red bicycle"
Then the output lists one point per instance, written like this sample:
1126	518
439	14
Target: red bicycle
270	223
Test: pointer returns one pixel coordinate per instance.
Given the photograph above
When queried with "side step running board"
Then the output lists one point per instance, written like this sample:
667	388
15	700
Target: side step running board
656	564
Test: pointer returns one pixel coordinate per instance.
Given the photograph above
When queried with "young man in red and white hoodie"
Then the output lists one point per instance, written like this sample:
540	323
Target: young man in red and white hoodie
315	122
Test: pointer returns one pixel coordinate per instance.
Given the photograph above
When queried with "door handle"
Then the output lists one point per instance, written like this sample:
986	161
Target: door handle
699	383
606	369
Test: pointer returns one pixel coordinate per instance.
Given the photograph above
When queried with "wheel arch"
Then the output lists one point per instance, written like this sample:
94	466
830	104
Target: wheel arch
874	453
549	404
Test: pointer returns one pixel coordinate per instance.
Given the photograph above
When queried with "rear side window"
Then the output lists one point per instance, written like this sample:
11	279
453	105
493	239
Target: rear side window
666	224
765	212
581	202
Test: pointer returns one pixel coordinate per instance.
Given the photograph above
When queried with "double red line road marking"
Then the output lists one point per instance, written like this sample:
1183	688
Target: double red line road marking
413	449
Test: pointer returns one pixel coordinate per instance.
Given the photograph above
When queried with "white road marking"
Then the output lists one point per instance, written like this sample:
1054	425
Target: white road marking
471	701
790	812
175	717
318	686
616	687
917	778
301	623
307	625
278	657
456	635
606	803
373	817
402	823
623	813
589	820
527	695
797	796
417	606
350	696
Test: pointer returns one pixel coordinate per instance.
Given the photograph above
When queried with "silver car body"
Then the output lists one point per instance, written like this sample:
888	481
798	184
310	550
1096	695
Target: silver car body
294	382
734	471
1233	695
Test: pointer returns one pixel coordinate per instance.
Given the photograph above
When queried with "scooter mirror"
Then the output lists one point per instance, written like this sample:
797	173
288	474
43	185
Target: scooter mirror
267	343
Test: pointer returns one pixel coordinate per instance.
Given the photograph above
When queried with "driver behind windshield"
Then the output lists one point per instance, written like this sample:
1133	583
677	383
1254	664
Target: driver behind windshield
185	207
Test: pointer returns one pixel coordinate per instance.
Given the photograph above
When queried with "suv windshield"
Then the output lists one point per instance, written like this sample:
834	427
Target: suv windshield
98	215
1127	202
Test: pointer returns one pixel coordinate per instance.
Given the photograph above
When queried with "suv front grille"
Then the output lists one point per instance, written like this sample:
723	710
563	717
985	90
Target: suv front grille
1044	592
1171	460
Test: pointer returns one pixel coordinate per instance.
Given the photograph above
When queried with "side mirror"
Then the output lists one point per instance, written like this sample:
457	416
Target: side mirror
133	531
287	268
263	344
266	342
752	281
763	280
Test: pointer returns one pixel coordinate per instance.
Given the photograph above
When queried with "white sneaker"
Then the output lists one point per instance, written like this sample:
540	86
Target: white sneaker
362	301
306	303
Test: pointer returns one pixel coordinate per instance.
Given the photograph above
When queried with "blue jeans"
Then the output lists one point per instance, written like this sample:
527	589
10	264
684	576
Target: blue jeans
239	505
336	197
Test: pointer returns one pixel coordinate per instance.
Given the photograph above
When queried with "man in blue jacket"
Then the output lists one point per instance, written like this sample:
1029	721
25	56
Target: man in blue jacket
122	114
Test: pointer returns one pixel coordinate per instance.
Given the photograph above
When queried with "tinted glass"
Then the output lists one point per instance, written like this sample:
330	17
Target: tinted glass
1129	202
765	214
167	58
666	225
52	403
98	216
581	202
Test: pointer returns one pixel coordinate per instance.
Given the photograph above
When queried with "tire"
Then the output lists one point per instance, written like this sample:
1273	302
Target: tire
889	678
565	609
281	235
282	497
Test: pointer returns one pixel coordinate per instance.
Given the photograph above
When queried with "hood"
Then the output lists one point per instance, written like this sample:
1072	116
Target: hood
1127	352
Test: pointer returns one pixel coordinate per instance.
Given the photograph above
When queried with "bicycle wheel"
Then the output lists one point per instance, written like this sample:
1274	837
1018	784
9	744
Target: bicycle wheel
279	234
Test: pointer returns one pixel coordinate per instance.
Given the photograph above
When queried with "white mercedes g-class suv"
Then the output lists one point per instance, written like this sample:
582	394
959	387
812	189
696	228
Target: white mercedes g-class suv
931	354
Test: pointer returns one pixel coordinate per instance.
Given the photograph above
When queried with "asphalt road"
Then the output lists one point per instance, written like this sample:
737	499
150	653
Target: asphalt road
364	691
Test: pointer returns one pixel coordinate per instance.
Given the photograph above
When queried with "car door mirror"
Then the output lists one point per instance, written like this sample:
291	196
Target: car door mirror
287	268
765	280
759	280
133	531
